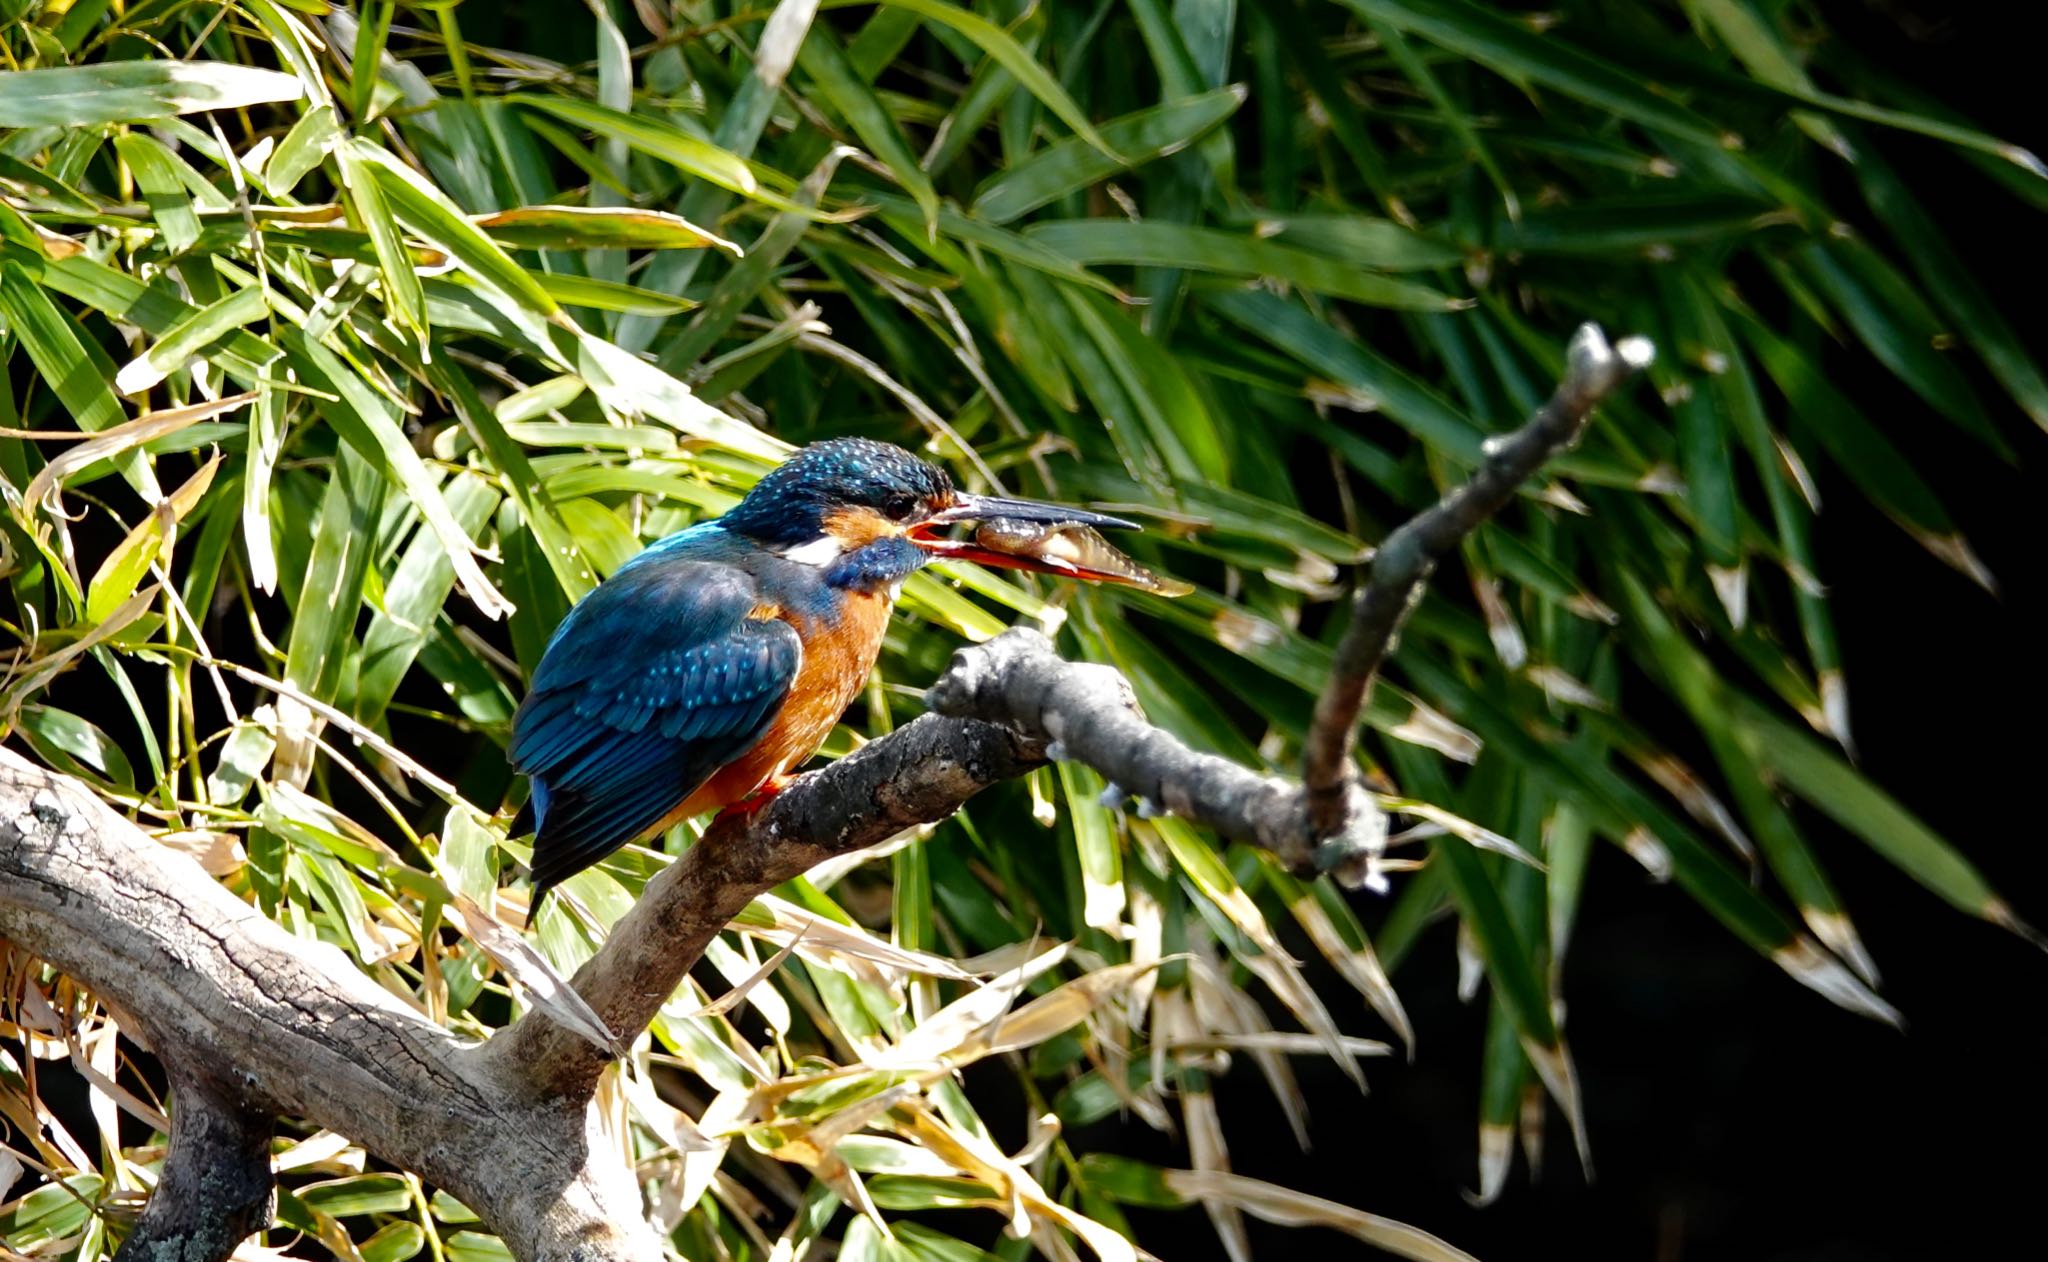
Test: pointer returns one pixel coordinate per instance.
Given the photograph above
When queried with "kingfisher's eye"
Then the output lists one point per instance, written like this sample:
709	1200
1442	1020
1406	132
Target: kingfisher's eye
900	505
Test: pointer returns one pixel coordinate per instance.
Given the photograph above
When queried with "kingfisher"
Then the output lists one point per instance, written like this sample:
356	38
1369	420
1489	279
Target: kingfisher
708	667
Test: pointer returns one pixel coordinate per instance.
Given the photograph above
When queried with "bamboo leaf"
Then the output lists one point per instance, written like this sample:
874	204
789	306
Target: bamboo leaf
190	337
135	91
1068	166
671	144
1153	243
434	216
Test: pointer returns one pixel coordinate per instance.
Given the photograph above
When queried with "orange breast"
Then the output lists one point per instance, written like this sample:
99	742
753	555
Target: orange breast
838	655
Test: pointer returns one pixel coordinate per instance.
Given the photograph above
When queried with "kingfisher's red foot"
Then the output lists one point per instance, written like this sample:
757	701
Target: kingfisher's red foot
760	797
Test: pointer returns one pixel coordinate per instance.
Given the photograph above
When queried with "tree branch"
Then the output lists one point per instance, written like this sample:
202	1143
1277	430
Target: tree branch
1402	563
1001	710
215	1187
254	1024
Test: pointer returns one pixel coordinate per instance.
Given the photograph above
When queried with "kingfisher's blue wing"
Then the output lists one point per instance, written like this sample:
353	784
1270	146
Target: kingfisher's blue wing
654	681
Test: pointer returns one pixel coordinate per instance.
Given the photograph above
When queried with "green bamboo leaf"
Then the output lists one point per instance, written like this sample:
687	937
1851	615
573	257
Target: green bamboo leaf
471	1246
1513	49
394	1241
74	745
1503	1071
430	213
413	597
837	83
598	228
1178	422
990	88
1623	813
1362	241
1153	243
402	290
539	399
58	352
1067	166
1880	470
602	537
373	27
302	150
174	191
1809	769
661	140
1894	322
1689	675
536	507
737	289
135	91
190	337
358	1194
76	369
606	295
1008	53
1652	224
1517	983
591	437
902	214
1403	397
1951	284
324	620
362	419
1097	843
1416	70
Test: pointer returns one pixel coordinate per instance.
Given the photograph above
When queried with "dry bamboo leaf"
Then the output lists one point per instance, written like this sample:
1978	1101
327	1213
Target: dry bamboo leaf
1011	1181
119	438
544	988
217	852
980	1012
1276	1204
844	947
1360	967
1212	1156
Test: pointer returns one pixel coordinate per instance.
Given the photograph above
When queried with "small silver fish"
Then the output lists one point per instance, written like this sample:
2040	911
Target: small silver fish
1076	550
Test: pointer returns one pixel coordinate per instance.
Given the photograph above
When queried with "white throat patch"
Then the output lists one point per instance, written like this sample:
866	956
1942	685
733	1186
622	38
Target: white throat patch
823	550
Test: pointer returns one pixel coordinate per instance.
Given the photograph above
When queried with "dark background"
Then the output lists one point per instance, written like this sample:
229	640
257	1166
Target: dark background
1734	1114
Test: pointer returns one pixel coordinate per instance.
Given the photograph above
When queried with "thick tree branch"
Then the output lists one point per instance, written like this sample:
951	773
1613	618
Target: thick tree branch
1402	563
921	773
253	1023
216	1185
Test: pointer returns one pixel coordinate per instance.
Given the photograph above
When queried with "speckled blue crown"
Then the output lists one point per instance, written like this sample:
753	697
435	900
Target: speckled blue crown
789	505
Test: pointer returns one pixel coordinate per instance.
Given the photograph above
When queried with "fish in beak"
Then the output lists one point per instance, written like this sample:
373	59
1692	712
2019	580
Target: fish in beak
1046	538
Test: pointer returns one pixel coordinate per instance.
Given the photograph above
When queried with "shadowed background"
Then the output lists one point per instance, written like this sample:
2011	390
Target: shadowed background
1733	1118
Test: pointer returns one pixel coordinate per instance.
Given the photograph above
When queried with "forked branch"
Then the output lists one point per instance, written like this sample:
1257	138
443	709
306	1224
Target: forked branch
1404	560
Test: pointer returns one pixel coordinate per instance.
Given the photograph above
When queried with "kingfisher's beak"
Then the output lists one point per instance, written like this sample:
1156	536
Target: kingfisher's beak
1015	518
997	508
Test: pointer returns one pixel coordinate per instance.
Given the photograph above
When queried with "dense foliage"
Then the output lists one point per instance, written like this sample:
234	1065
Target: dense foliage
327	391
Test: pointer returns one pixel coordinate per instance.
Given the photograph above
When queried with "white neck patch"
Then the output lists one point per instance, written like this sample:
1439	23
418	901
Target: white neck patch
823	550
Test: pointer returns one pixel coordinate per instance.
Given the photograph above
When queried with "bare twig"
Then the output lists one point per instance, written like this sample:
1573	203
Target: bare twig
1403	562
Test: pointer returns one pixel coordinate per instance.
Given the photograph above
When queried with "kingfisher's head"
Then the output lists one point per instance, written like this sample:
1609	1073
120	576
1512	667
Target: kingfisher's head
869	513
